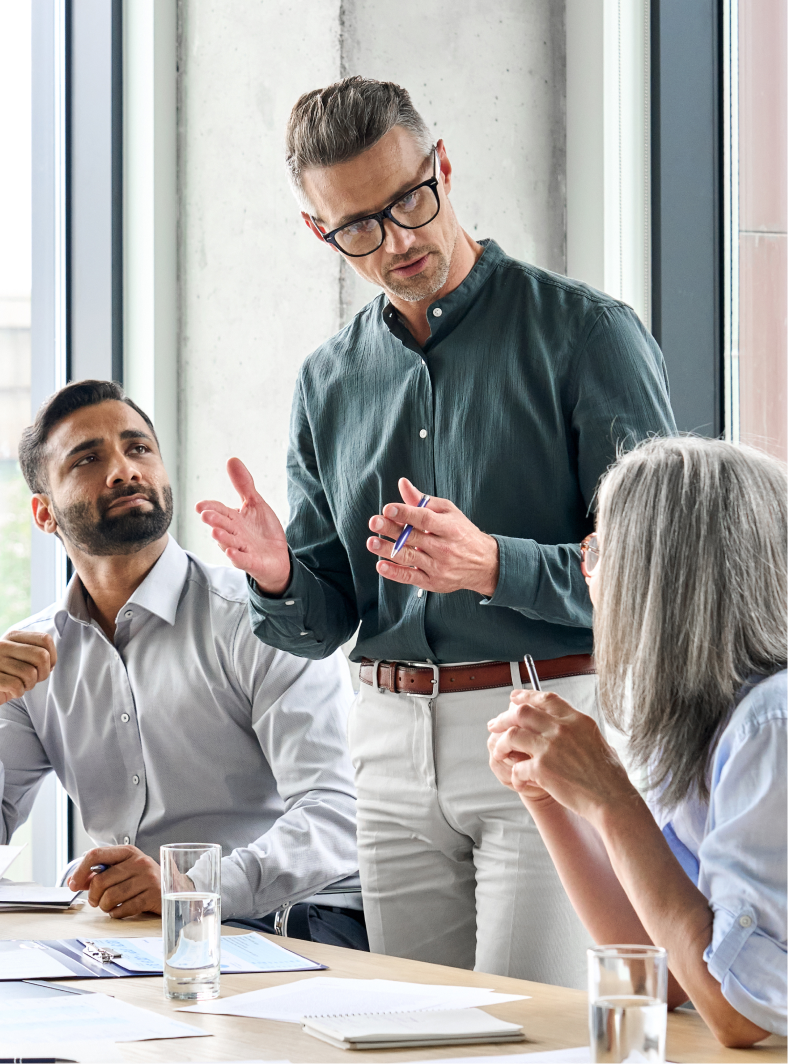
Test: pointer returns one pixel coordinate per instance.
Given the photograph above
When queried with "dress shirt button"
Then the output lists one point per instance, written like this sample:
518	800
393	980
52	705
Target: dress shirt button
135	779
745	921
290	602
423	433
420	592
126	839
436	312
305	633
129	613
125	718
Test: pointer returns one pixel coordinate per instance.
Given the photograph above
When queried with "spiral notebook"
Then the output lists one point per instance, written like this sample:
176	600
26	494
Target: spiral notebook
403	1030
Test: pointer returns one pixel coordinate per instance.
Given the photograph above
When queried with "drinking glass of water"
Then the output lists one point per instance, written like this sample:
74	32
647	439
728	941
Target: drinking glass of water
191	919
627	1003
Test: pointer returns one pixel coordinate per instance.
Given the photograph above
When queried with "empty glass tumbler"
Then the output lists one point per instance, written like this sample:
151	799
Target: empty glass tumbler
627	1003
191	919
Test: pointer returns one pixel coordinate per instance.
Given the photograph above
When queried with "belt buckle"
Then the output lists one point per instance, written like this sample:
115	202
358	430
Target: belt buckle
436	675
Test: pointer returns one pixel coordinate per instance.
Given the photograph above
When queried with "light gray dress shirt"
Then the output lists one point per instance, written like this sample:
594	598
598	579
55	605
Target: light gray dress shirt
189	729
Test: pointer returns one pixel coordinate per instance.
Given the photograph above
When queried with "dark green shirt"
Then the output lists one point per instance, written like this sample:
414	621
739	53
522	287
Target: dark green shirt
513	409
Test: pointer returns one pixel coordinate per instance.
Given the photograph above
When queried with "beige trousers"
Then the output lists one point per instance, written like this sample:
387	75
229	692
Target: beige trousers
452	867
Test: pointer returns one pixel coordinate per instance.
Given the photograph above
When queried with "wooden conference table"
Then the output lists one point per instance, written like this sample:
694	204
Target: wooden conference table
553	1018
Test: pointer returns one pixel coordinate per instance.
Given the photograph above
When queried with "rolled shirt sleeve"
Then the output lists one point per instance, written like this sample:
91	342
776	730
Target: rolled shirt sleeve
743	861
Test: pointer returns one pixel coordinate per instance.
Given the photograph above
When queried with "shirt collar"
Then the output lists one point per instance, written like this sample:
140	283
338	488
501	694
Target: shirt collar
445	314
159	592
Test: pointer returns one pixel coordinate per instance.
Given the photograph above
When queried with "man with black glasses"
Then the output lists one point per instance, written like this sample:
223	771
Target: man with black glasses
477	399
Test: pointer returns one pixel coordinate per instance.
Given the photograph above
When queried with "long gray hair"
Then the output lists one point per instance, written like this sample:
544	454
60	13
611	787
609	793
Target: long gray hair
692	597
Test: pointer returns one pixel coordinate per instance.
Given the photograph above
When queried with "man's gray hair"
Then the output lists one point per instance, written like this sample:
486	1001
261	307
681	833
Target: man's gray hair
331	125
693	590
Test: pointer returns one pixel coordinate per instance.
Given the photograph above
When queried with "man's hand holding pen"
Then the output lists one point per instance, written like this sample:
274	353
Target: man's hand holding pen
444	552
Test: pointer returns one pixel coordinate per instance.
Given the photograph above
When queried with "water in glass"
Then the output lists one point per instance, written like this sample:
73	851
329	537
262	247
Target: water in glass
628	1029
192	951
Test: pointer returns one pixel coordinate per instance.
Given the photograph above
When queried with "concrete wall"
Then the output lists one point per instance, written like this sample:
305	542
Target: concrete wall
257	293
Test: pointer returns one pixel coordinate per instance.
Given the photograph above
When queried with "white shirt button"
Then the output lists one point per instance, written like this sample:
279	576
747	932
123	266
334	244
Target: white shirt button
436	312
420	592
129	613
745	921
125	718
305	633
423	433
135	779
290	602
126	839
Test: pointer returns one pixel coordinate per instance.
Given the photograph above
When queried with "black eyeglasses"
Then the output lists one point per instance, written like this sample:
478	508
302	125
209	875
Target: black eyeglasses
413	209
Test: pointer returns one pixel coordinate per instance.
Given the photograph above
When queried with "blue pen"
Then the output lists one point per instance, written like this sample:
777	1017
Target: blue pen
402	538
99	867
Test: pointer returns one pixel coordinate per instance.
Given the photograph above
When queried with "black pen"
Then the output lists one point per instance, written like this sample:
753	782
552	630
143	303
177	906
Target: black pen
36	1060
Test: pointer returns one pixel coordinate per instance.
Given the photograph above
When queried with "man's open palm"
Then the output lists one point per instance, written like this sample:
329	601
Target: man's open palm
252	536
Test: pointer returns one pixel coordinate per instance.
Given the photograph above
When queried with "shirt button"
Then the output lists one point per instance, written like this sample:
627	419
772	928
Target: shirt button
423	433
745	921
420	592
129	613
126	839
290	602
125	718
135	779
436	313
305	633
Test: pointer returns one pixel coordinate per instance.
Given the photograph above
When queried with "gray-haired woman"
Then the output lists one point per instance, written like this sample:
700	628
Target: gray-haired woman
689	578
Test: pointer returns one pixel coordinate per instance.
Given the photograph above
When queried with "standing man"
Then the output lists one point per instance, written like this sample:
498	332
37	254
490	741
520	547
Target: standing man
500	391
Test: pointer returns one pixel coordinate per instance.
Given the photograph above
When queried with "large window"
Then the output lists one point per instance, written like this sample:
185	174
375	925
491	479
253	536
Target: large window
758	247
15	364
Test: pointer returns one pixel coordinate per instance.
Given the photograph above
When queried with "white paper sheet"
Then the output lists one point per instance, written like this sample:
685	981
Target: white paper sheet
85	1017
8	854
327	996
98	1052
29	961
240	953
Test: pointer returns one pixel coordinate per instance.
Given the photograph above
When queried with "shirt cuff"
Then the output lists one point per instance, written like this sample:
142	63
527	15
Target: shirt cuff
743	962
290	602
518	573
237	897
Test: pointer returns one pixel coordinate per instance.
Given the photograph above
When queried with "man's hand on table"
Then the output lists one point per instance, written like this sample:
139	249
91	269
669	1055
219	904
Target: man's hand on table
444	552
130	885
252	536
26	658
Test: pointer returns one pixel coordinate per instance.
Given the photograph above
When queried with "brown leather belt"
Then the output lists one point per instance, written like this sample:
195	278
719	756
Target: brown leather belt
397	677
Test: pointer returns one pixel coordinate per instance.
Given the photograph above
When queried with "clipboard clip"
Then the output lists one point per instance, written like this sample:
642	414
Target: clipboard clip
99	953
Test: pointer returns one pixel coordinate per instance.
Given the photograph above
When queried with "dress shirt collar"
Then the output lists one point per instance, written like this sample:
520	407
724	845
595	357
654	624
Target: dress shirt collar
446	313
159	593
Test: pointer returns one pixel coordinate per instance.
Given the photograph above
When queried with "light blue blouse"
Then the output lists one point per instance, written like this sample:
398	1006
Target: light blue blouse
734	849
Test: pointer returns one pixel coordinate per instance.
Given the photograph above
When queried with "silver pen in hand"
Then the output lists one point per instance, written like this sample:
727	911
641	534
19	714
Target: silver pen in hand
529	664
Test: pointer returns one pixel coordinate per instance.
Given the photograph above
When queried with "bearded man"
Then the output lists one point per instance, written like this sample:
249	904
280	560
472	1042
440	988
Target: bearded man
147	694
495	394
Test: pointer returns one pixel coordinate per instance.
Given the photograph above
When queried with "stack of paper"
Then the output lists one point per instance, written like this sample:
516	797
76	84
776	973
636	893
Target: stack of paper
402	1030
327	996
21	897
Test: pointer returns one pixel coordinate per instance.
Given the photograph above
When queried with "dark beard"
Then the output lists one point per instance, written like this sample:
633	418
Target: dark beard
125	534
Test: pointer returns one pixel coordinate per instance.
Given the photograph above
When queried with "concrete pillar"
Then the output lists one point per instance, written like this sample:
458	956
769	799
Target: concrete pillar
257	293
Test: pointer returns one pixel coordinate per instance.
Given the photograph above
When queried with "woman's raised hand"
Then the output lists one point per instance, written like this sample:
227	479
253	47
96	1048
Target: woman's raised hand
544	749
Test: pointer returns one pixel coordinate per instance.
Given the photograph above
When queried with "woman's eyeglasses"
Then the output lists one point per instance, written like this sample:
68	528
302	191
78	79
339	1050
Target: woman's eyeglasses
589	554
